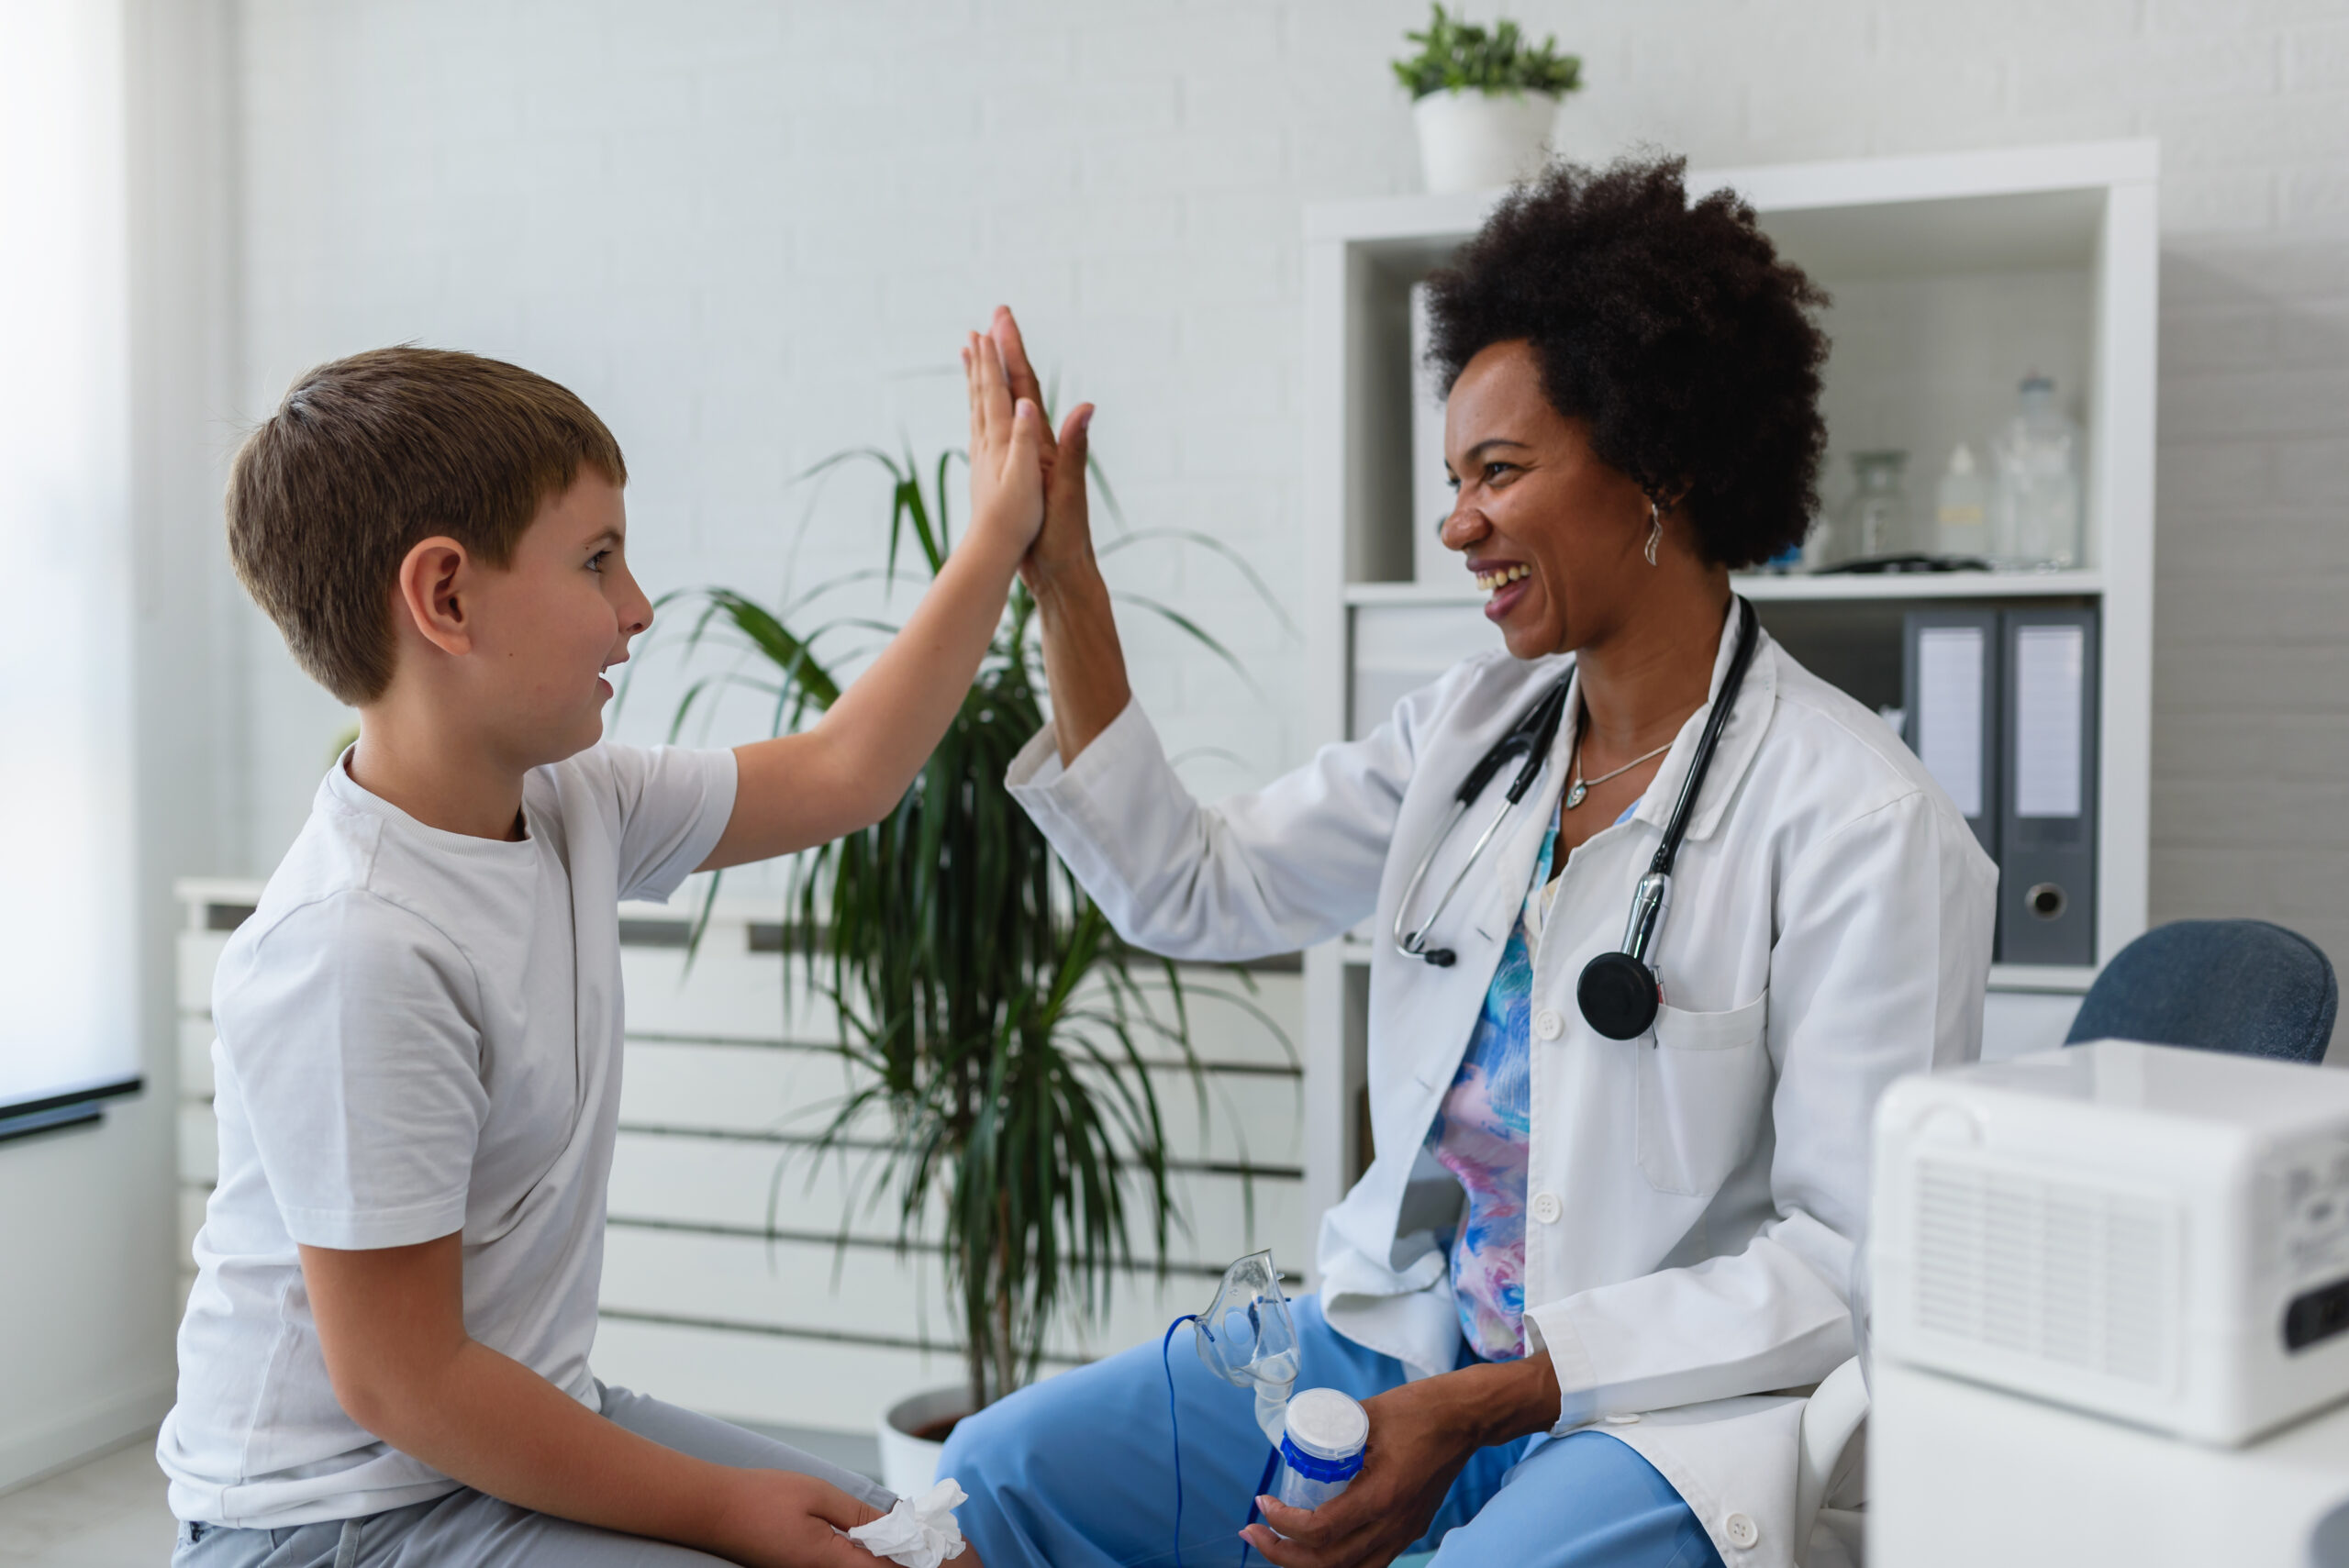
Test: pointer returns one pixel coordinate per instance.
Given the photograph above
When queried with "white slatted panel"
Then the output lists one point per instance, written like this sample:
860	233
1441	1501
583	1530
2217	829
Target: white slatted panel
792	1093
855	1294
749	1376
731	1183
196	1056
199	1145
206	903
720	1262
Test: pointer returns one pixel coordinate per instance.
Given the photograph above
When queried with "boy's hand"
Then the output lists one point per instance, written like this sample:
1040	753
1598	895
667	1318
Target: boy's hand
851	768
777	1520
1063	548
1006	439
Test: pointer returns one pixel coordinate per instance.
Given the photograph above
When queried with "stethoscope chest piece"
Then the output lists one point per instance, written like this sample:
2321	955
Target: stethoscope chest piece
1618	994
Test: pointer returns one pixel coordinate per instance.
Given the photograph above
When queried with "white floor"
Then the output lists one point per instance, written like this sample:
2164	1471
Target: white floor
108	1513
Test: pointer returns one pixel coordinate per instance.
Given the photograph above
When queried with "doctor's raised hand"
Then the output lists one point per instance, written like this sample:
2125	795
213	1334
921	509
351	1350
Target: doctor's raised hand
1083	660
1657	914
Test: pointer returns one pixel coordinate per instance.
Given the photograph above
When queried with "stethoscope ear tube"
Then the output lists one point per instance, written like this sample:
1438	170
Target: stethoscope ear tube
1414	942
1533	734
1618	991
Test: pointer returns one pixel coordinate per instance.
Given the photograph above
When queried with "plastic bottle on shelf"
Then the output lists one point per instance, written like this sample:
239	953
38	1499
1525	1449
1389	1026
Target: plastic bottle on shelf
1876	519
1818	548
1962	509
2035	514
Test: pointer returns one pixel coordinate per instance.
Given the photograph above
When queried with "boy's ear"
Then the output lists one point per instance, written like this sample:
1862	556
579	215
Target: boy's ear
431	582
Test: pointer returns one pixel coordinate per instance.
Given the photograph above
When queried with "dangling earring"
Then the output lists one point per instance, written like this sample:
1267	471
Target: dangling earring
1655	529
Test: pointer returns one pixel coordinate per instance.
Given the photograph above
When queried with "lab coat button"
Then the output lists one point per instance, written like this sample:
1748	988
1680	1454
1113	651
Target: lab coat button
1622	1419
1546	1207
1548	1024
1741	1530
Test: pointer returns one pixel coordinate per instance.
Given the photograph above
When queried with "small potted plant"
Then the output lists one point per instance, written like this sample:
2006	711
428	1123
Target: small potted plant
1485	100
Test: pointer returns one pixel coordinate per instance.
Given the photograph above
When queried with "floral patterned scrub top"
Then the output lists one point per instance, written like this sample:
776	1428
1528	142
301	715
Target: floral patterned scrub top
1480	1133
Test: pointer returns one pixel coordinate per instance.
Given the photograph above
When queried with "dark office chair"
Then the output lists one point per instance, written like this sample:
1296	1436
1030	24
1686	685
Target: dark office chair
2243	986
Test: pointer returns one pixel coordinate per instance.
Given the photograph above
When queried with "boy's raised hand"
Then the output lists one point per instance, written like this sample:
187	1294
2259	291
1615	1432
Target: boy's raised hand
850	769
1007	440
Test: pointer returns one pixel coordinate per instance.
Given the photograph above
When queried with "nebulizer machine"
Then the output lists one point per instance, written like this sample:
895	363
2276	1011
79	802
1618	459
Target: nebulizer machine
1247	1338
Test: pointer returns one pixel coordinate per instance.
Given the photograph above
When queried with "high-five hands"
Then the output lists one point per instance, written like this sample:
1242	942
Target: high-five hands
1081	659
1064	548
1008	439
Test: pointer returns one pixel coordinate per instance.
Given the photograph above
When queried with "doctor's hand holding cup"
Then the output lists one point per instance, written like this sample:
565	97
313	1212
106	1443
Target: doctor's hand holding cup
1574	1343
1421	1436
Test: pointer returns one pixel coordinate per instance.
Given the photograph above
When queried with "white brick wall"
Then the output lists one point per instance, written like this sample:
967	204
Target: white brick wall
750	233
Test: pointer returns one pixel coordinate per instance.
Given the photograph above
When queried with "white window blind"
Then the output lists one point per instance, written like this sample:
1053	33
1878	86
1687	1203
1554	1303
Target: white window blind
68	979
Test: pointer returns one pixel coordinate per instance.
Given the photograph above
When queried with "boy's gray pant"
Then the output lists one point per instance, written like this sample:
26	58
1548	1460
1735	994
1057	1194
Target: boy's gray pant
468	1528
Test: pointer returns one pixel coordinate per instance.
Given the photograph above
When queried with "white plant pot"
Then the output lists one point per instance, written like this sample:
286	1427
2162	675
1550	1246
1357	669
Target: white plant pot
908	1464
1473	140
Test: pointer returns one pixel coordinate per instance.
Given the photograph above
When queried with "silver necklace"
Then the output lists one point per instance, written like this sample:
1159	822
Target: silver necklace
1581	787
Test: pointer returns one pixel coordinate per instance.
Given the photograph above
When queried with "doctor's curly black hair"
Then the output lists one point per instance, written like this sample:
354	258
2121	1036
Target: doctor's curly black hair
1673	329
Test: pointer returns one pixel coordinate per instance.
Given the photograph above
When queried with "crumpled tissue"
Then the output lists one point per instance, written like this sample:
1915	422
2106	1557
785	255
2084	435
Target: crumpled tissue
918	1533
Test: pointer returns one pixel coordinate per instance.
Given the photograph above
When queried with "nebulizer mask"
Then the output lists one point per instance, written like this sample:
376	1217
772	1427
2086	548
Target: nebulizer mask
1247	1338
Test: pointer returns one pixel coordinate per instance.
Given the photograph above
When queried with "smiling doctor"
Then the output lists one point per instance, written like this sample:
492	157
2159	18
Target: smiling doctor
1593	1352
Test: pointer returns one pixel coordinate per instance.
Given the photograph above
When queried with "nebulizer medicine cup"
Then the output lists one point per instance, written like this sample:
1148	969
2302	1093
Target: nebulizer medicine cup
1321	1447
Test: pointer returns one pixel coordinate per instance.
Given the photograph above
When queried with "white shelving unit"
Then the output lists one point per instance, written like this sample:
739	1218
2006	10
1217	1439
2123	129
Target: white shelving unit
1952	275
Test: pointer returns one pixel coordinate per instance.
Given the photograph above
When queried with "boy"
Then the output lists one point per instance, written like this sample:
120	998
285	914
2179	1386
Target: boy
384	1358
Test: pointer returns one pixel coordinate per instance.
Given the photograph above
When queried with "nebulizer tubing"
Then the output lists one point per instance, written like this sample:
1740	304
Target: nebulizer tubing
1174	1429
1247	1338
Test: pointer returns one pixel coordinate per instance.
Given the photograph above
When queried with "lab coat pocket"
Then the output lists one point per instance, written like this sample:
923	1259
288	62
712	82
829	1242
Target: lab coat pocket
1703	1079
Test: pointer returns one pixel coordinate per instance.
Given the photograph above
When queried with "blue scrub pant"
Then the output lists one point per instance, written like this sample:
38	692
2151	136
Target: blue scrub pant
1074	1472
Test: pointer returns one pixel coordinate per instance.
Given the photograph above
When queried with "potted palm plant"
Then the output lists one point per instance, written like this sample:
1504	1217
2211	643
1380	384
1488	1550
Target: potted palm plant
992	1020
1485	100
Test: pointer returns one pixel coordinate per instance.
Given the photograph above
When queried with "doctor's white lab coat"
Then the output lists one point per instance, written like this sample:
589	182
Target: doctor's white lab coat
1694	1197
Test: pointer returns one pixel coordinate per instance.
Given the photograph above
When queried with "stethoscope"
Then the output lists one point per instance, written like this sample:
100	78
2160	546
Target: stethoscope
1619	992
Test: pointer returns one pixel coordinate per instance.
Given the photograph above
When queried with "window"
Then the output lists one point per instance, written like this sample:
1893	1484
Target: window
68	968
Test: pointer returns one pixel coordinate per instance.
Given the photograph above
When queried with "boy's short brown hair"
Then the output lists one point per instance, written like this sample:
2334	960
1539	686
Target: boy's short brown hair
370	455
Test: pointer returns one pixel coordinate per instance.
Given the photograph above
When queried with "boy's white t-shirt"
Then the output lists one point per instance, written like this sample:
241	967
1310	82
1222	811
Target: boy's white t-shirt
419	1032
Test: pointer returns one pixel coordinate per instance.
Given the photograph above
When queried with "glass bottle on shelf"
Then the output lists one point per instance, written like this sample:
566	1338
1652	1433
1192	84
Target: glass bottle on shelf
2035	510
1962	509
1876	519
1818	550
